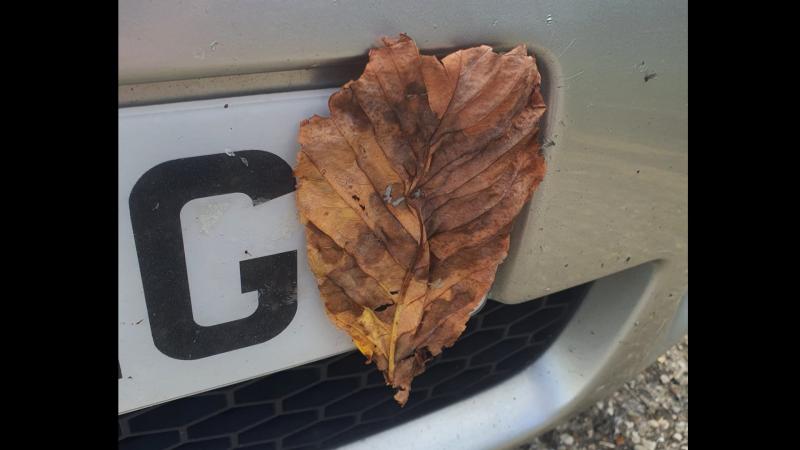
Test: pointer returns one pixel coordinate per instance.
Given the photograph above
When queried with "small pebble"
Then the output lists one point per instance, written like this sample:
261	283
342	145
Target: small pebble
567	439
677	437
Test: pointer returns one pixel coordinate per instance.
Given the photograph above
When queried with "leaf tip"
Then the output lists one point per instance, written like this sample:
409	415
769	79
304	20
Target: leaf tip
401	396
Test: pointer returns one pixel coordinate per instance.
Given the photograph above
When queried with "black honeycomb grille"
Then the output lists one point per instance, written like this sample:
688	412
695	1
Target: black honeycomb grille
337	400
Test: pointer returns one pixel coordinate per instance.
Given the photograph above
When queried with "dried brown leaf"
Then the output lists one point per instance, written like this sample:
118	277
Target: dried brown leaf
408	192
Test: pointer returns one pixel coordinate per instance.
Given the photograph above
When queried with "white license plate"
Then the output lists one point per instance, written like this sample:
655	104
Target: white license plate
213	283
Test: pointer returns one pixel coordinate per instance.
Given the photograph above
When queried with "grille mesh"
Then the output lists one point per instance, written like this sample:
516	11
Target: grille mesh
334	401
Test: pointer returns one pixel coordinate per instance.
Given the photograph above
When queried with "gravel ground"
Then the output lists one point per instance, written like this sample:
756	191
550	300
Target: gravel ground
648	413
